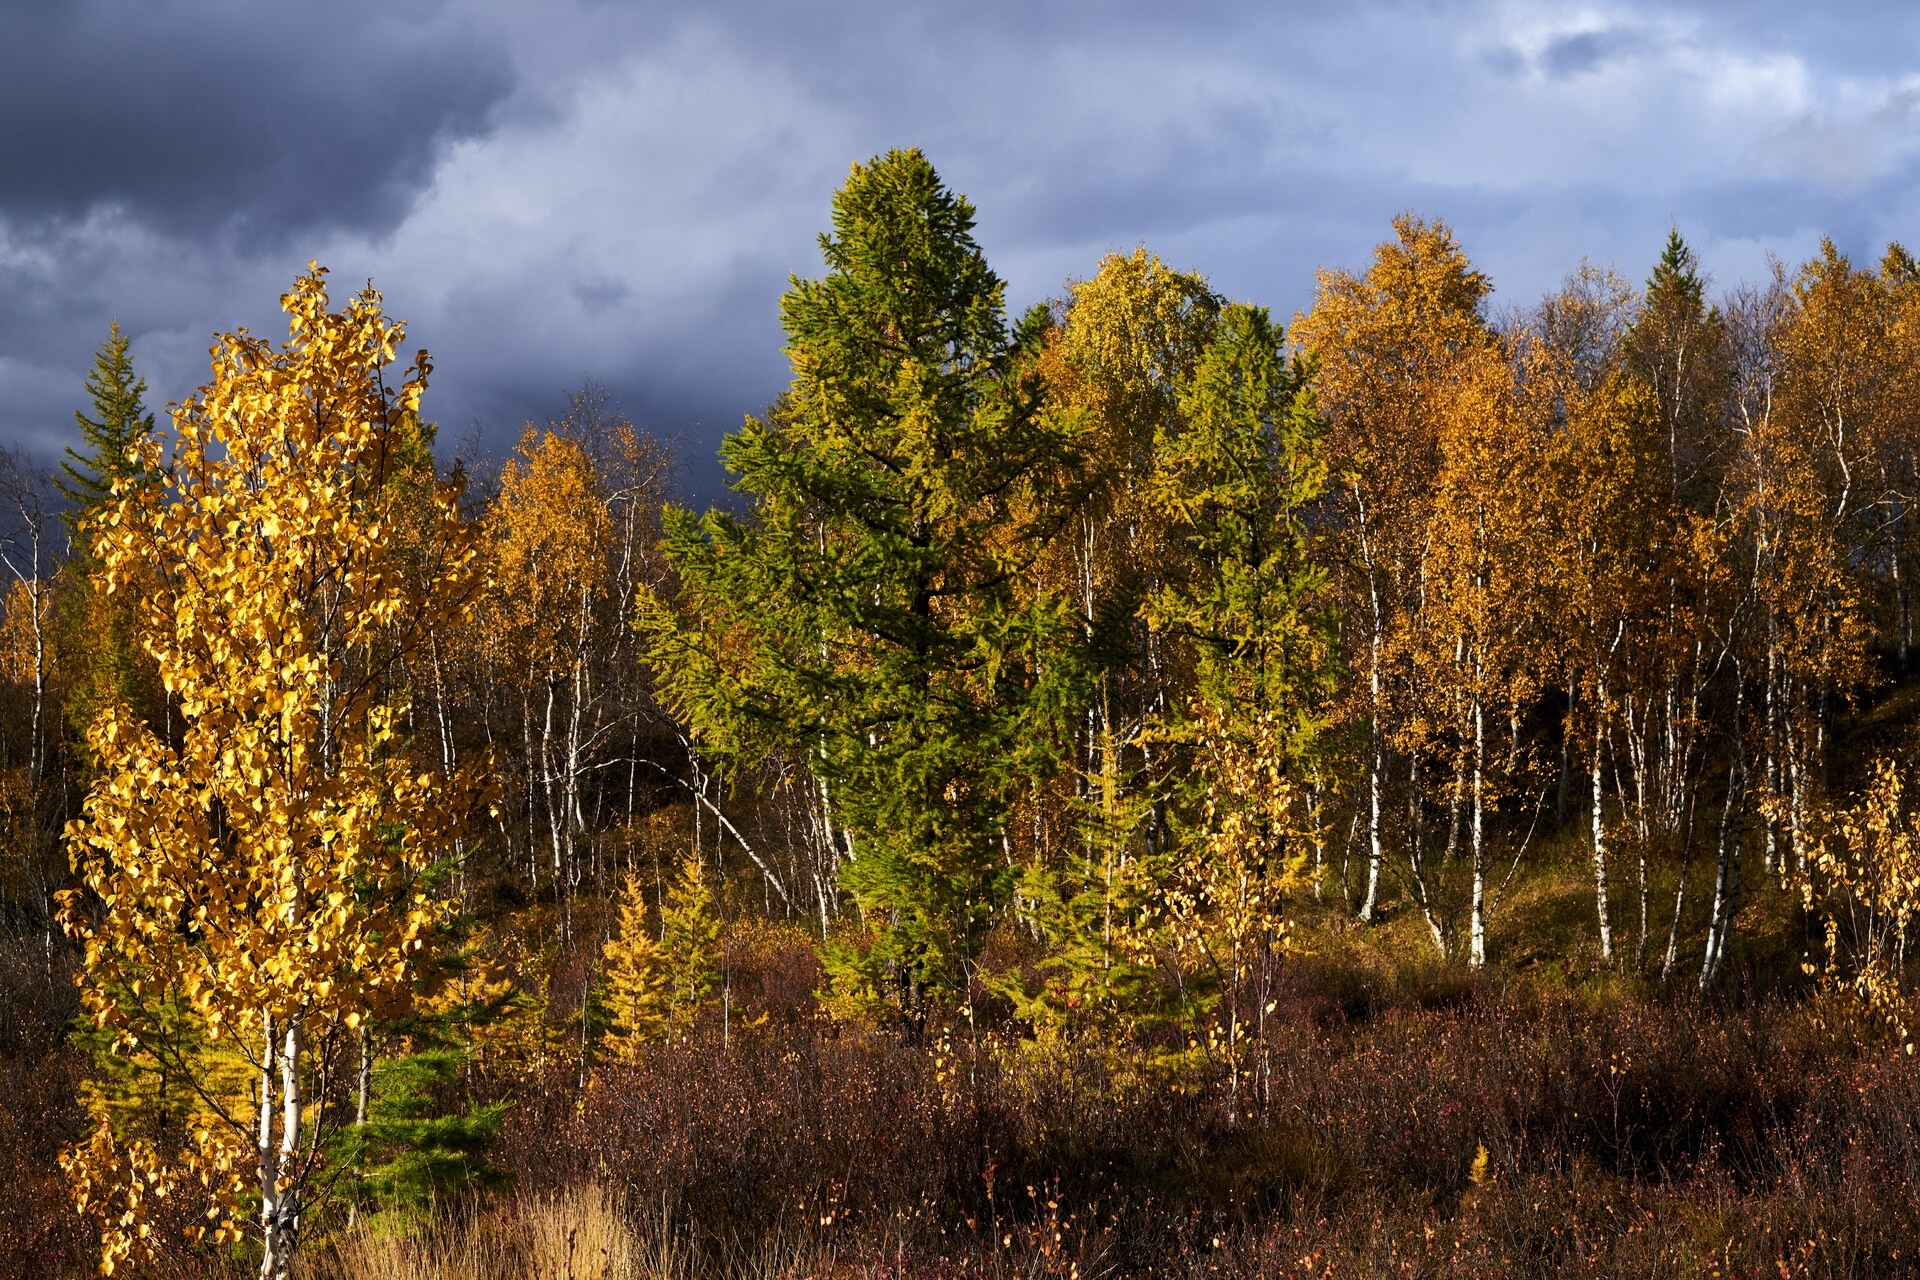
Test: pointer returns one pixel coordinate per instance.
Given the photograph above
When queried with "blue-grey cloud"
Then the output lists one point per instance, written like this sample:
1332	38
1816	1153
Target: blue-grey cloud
621	190
1581	52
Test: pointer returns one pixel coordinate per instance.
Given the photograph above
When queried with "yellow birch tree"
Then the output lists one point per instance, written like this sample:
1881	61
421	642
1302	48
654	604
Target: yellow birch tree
1389	345
271	867
552	547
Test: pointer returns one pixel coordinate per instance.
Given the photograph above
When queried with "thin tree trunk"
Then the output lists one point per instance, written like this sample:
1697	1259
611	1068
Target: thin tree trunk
1376	766
1477	954
1599	822
1416	858
1456	804
1770	856
1566	759
266	1154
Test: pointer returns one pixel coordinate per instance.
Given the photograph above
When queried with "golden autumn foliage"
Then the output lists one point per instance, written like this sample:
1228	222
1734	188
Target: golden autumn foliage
1221	911
553	540
1129	337
19	636
636	981
1390	346
571	536
1864	880
272	867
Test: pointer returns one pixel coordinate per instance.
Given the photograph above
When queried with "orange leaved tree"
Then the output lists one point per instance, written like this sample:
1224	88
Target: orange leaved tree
265	875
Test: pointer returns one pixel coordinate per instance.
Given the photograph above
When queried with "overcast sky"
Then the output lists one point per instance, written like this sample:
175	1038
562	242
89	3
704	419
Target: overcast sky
559	191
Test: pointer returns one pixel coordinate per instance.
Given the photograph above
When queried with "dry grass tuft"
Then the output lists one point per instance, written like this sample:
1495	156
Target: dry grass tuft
445	1244
586	1232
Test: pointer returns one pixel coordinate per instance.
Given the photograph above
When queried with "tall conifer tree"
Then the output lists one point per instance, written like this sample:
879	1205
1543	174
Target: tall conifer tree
98	629
865	618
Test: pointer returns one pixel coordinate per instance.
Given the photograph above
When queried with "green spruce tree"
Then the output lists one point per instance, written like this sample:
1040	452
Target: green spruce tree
119	420
866	618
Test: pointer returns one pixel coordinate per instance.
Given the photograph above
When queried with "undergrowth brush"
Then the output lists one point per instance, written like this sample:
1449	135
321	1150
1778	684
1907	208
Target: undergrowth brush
1396	1119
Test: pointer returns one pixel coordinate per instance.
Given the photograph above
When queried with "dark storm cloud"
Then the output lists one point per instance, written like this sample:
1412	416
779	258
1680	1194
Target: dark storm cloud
265	121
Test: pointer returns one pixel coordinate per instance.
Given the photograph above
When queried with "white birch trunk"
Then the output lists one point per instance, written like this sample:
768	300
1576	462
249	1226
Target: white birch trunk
280	1207
1477	946
1599	823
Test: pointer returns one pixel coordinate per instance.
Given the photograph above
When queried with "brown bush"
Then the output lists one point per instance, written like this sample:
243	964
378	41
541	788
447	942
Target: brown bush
1632	1136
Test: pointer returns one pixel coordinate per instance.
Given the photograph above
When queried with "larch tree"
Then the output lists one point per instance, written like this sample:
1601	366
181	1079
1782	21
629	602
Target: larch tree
658	983
636	980
864	618
1677	345
1238	477
1124	344
273	870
